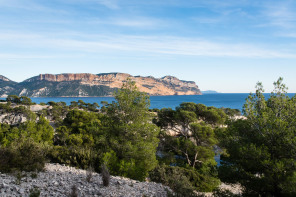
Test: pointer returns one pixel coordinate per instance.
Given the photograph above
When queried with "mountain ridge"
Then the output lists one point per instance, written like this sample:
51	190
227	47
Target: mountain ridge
102	84
3	78
6	86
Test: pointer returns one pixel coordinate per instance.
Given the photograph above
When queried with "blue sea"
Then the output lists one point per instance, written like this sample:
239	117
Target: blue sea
227	100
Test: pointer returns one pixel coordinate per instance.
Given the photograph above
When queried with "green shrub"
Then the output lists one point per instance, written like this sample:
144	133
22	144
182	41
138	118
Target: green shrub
24	155
174	178
23	100
34	192
201	181
40	131
18	176
79	157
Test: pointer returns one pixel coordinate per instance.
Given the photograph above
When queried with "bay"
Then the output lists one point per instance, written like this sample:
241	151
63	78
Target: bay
227	100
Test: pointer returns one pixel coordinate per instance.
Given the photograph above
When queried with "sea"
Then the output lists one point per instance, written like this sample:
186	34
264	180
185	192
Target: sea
226	100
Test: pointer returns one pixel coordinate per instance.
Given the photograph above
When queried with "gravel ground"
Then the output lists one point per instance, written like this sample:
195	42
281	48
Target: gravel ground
57	180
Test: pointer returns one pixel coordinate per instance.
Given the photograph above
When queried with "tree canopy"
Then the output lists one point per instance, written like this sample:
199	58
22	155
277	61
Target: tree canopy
261	150
132	135
188	140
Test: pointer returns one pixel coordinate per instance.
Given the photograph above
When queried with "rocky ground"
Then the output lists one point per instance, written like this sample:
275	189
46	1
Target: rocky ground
58	180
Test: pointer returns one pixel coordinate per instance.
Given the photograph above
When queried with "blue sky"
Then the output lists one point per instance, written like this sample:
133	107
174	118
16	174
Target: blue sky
224	45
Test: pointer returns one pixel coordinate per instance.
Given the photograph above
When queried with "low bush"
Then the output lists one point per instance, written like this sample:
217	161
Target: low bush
24	155
74	191
174	178
201	182
89	174
105	175
34	192
80	157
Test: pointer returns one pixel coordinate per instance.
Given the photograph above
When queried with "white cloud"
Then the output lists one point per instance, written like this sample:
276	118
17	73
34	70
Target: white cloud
288	35
138	22
281	14
207	20
112	4
139	45
31	6
25	56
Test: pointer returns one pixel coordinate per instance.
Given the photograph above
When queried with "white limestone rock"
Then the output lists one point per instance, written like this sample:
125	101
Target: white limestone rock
57	180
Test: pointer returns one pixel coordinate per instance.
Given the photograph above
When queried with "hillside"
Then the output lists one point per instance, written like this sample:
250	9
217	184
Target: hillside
84	84
6	86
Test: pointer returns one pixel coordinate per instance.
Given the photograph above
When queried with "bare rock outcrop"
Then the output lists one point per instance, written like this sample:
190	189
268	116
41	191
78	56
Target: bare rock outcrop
57	180
12	118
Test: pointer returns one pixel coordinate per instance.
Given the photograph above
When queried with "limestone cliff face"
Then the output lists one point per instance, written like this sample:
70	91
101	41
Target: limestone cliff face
85	84
167	85
63	77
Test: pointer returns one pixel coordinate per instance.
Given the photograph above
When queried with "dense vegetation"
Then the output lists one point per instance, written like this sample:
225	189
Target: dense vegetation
121	136
261	150
190	143
132	137
175	147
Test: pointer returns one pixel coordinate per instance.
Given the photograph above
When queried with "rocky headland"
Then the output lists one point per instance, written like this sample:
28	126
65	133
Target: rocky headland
85	84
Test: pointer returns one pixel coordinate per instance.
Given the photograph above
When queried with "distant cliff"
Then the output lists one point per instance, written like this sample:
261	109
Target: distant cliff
210	92
84	84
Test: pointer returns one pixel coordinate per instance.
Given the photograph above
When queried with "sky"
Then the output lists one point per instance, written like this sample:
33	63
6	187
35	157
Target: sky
227	46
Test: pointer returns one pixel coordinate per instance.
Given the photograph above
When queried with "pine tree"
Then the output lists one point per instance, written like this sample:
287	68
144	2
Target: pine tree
261	150
132	135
